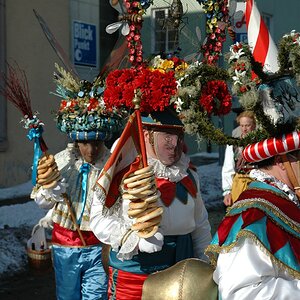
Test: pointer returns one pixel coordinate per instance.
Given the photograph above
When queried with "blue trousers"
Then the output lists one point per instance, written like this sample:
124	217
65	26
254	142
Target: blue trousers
79	273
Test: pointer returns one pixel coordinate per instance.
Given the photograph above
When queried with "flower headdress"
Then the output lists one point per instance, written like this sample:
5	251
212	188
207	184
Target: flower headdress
195	92
82	113
274	98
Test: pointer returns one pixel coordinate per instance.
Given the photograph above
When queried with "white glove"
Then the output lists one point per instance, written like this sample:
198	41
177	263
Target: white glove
46	221
152	244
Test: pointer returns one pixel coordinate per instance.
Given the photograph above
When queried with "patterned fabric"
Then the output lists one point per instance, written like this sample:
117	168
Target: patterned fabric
271	147
71	172
266	215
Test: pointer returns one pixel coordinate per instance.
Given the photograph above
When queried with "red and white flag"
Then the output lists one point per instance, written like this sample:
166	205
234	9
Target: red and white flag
125	159
259	39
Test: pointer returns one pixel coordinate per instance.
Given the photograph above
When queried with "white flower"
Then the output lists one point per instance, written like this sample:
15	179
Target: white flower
239	75
101	103
178	103
156	61
235	54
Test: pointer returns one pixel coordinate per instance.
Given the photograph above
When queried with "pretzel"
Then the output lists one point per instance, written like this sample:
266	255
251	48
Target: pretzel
139	190
48	172
50	185
139	182
132	178
52	177
148	232
157	211
46	161
132	213
152	198
144	225
138	204
143	170
44	170
130	197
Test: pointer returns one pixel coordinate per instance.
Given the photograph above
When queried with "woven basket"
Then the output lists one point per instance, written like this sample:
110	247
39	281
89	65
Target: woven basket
40	259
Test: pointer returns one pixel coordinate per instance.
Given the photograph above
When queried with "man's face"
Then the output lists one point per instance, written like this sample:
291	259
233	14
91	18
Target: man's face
246	125
168	146
90	150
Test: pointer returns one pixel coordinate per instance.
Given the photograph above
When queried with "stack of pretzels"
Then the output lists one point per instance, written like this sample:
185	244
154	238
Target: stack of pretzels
47	172
140	188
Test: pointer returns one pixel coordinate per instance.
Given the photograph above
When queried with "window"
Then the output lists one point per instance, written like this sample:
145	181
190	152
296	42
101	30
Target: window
165	36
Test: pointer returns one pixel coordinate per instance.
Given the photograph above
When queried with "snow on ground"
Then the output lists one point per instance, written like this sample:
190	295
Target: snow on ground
17	221
16	191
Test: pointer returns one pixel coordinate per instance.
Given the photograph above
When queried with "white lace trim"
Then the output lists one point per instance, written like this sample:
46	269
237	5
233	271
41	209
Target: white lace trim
129	248
264	177
173	173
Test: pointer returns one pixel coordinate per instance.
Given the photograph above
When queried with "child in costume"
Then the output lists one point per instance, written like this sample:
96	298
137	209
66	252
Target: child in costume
65	186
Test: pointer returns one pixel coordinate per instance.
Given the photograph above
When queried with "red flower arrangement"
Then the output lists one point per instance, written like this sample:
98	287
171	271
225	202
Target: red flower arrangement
217	18
66	105
215	98
156	88
93	104
134	43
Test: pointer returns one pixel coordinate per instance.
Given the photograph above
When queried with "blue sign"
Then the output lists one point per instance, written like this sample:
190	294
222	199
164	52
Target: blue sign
84	44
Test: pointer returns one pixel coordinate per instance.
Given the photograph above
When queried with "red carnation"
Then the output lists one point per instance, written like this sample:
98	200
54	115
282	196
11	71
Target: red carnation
215	98
157	88
93	103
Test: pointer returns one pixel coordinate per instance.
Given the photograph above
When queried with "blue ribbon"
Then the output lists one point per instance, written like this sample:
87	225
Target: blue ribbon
84	172
35	134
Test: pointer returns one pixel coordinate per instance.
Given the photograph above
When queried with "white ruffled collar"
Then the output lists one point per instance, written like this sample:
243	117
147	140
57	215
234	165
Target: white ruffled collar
269	179
173	173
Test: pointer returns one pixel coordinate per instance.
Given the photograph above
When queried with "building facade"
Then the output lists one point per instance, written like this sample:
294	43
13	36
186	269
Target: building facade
79	28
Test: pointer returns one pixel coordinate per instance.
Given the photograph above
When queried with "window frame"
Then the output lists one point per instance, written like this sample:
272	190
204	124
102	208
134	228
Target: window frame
154	40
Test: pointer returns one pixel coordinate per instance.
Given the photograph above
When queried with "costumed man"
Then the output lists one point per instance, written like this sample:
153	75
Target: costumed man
64	185
256	249
235	169
261	230
174	209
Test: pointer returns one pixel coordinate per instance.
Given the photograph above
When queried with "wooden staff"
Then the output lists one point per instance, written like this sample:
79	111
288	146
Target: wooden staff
136	101
68	202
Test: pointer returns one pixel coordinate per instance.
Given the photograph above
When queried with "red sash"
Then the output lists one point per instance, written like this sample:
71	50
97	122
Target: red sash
66	237
124	285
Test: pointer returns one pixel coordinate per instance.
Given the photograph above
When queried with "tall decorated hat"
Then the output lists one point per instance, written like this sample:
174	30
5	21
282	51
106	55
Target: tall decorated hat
82	114
172	91
273	97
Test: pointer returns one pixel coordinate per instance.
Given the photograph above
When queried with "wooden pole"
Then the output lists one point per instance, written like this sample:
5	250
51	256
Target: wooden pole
67	200
136	101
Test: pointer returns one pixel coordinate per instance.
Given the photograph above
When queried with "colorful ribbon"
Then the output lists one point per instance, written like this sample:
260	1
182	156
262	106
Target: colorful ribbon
84	172
35	134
